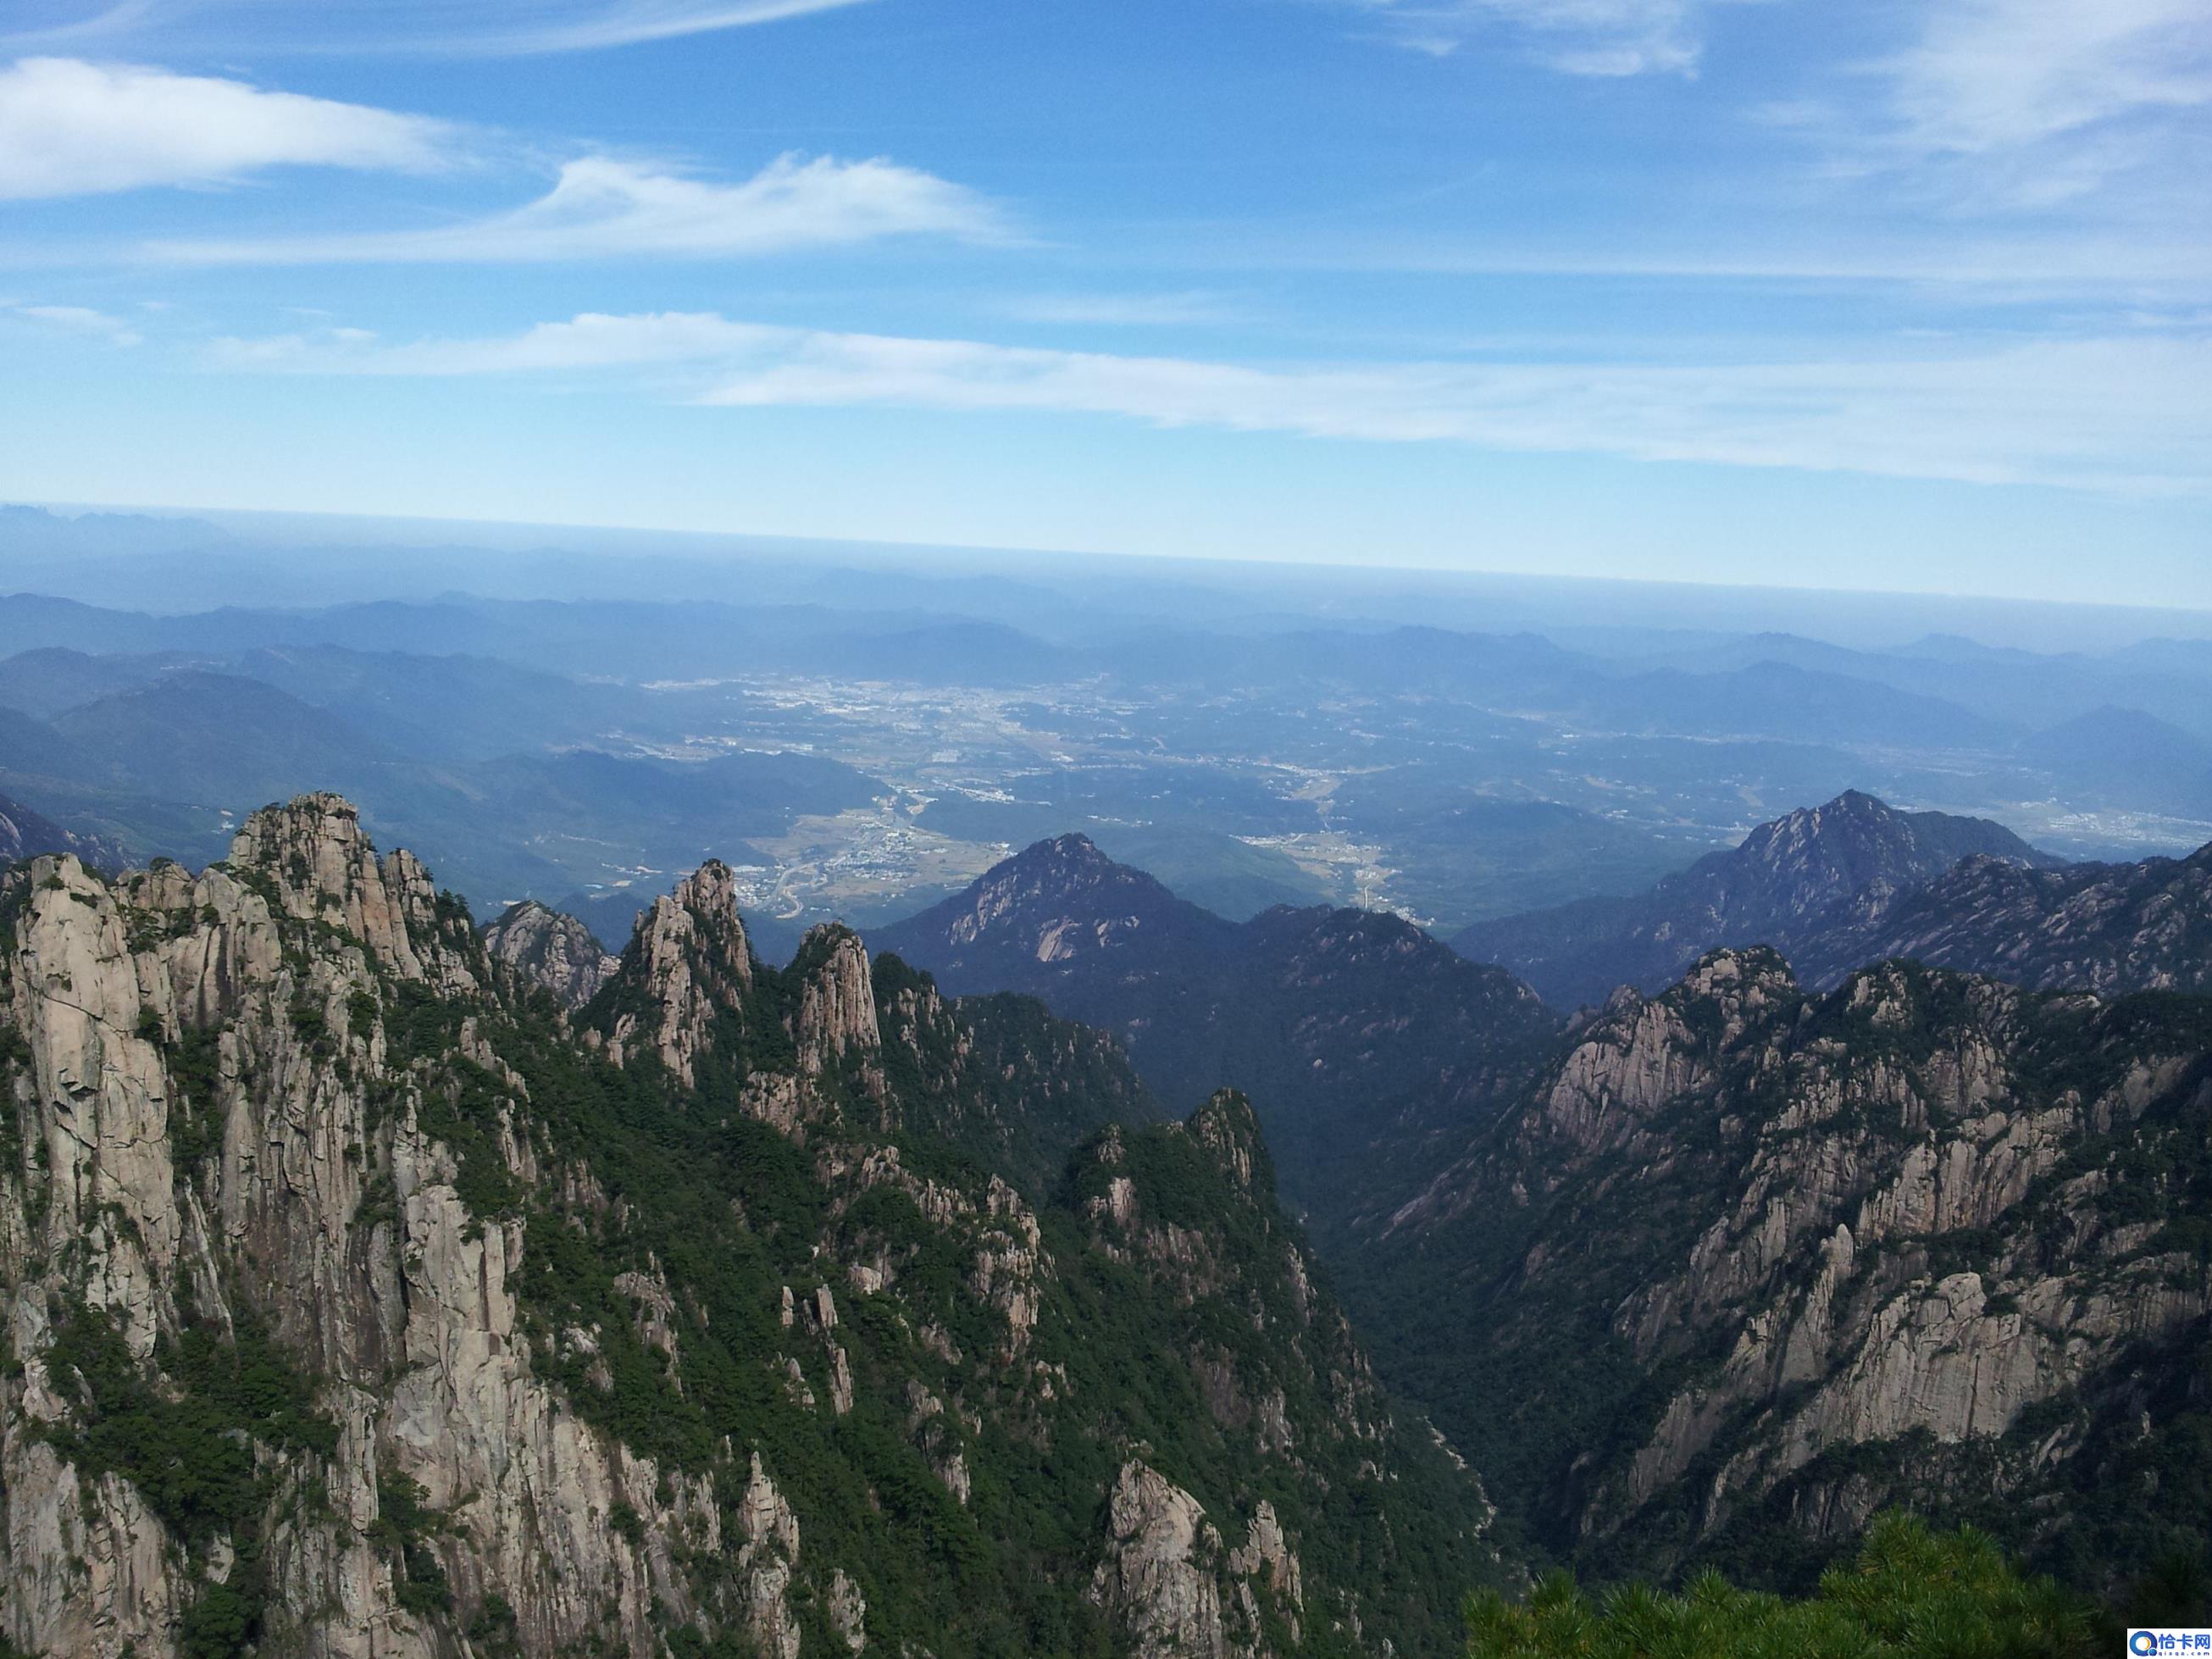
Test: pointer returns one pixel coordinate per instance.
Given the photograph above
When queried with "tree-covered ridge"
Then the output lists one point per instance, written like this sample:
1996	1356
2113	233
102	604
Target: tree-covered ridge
747	1308
1908	1593
1346	1027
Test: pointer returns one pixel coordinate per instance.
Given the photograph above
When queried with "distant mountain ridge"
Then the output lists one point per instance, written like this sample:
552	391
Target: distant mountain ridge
2111	928
24	833
1786	879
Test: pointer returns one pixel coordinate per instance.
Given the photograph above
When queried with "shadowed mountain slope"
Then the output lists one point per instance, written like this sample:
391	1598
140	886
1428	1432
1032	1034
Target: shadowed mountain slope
1786	879
1349	1028
2106	927
1746	1264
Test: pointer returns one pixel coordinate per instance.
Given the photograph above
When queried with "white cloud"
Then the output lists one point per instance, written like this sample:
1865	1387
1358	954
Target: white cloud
484	27
1580	37
541	28
2124	415
604	207
68	128
1988	75
2027	105
591	341
81	319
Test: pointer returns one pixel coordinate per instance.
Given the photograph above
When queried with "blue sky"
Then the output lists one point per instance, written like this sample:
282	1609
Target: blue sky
1895	295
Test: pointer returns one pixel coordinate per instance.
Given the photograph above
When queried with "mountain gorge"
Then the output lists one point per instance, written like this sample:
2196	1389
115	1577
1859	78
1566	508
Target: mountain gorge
371	1290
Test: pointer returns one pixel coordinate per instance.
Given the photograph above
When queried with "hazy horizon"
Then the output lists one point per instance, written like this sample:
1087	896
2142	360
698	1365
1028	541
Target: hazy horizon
1989	618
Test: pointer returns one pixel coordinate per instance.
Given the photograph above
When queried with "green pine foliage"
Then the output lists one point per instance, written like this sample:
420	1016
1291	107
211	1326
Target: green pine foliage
1911	1593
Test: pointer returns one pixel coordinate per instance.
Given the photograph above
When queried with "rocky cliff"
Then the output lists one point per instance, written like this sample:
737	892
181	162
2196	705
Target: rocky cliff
1748	1263
1789	878
363	1300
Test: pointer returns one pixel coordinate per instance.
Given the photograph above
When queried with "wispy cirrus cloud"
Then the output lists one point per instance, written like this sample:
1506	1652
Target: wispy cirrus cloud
2124	415
427	27
81	320
585	28
1577	37
72	128
602	207
2027	104
1985	75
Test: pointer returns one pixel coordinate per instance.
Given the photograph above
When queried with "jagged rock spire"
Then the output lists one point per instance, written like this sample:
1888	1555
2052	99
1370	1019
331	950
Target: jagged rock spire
1227	1126
836	1012
322	867
687	959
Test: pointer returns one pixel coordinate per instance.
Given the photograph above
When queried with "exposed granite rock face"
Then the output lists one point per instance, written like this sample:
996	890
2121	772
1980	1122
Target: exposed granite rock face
1789	878
689	963
1161	1575
765	1561
1909	1239
1173	1587
322	869
2105	927
540	1329
1229	1129
836	1013
315	1202
550	950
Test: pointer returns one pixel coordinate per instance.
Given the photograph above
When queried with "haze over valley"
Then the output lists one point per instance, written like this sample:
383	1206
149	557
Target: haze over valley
855	757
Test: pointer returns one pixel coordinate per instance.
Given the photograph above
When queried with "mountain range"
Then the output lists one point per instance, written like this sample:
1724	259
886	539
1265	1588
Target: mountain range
1746	1263
2105	928
493	1292
1719	1268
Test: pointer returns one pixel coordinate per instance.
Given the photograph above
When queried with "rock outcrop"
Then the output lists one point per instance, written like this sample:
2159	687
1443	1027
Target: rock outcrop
836	1012
550	950
688	965
1176	1590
